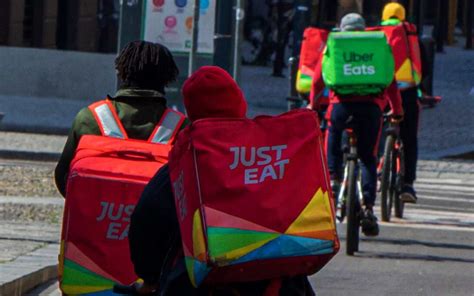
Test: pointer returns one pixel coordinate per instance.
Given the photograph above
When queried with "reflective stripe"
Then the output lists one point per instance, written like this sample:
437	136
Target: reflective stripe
165	132
108	123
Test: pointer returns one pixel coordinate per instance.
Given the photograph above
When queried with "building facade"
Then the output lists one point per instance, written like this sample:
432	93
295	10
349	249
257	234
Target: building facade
84	25
92	25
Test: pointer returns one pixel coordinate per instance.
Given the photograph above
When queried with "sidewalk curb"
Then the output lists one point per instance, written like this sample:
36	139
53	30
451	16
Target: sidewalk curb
27	282
28	271
29	155
40	129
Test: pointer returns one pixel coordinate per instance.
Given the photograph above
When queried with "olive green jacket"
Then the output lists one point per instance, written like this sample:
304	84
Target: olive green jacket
139	111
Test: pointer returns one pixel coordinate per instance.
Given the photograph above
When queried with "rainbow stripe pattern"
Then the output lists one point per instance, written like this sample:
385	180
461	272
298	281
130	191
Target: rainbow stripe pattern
228	240
81	276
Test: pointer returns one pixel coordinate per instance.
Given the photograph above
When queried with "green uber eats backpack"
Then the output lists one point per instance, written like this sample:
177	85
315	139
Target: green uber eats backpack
358	63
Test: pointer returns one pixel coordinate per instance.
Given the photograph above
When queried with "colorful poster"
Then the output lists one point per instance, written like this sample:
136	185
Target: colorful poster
170	22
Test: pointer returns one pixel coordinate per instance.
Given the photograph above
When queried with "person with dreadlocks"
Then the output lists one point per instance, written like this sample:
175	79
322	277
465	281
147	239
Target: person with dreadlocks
144	69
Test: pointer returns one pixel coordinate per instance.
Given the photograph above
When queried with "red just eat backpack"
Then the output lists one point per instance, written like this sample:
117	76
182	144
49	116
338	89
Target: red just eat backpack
252	198
403	39
107	176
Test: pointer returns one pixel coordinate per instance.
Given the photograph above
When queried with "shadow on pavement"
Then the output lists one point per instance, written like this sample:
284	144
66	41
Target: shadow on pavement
404	256
408	242
34	240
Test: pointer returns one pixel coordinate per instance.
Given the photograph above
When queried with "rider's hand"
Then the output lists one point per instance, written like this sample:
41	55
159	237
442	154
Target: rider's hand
145	288
396	118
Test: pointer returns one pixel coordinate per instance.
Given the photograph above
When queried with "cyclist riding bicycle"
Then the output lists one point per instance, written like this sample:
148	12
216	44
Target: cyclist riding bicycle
366	111
394	15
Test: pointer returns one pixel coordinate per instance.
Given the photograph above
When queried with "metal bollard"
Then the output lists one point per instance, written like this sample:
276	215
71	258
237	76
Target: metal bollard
294	101
293	66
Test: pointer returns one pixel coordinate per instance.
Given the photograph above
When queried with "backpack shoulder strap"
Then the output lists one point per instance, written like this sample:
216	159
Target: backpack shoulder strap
107	118
168	127
410	28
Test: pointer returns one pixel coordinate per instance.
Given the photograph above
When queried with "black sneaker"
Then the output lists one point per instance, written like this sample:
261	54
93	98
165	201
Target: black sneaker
408	194
369	224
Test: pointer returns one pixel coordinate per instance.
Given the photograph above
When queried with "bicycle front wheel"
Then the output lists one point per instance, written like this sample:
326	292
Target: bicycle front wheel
352	233
386	185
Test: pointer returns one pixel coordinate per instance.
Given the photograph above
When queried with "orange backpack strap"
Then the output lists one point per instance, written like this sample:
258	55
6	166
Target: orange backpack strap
107	118
168	127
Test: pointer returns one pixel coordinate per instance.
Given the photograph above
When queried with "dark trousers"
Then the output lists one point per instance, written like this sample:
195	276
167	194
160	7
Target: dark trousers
409	132
368	118
283	26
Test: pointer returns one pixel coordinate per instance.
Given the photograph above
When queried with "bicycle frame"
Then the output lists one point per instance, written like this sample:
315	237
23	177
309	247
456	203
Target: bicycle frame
341	195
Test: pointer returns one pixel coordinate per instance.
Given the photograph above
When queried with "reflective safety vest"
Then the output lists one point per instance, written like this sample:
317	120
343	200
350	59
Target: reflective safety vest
110	125
106	179
403	39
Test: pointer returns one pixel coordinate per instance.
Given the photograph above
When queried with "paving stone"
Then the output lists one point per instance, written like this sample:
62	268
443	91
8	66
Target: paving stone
31	142
11	249
27	271
31	231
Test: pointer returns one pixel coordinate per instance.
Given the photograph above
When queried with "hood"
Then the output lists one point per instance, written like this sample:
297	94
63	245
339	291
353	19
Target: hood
212	92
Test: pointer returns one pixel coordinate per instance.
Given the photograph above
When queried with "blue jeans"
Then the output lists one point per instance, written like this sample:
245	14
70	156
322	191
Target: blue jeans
369	121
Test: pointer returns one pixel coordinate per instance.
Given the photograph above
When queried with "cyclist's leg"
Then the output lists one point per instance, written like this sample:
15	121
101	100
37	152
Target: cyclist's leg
369	118
337	114
368	136
409	136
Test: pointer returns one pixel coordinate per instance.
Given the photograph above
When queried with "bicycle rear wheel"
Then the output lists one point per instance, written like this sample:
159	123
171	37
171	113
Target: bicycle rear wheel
386	185
399	204
352	232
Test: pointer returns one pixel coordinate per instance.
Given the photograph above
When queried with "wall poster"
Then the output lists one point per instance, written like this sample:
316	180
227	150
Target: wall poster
169	22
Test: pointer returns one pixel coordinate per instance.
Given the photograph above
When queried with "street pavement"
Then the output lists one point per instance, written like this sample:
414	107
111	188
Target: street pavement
428	252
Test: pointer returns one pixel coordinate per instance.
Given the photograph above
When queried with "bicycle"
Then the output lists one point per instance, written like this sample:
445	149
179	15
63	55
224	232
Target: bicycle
393	171
349	197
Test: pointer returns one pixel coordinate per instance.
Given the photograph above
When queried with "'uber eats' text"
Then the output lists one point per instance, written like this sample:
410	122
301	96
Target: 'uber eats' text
350	69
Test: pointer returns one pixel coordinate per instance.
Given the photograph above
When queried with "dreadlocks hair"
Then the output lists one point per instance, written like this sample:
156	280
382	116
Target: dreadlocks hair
146	65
